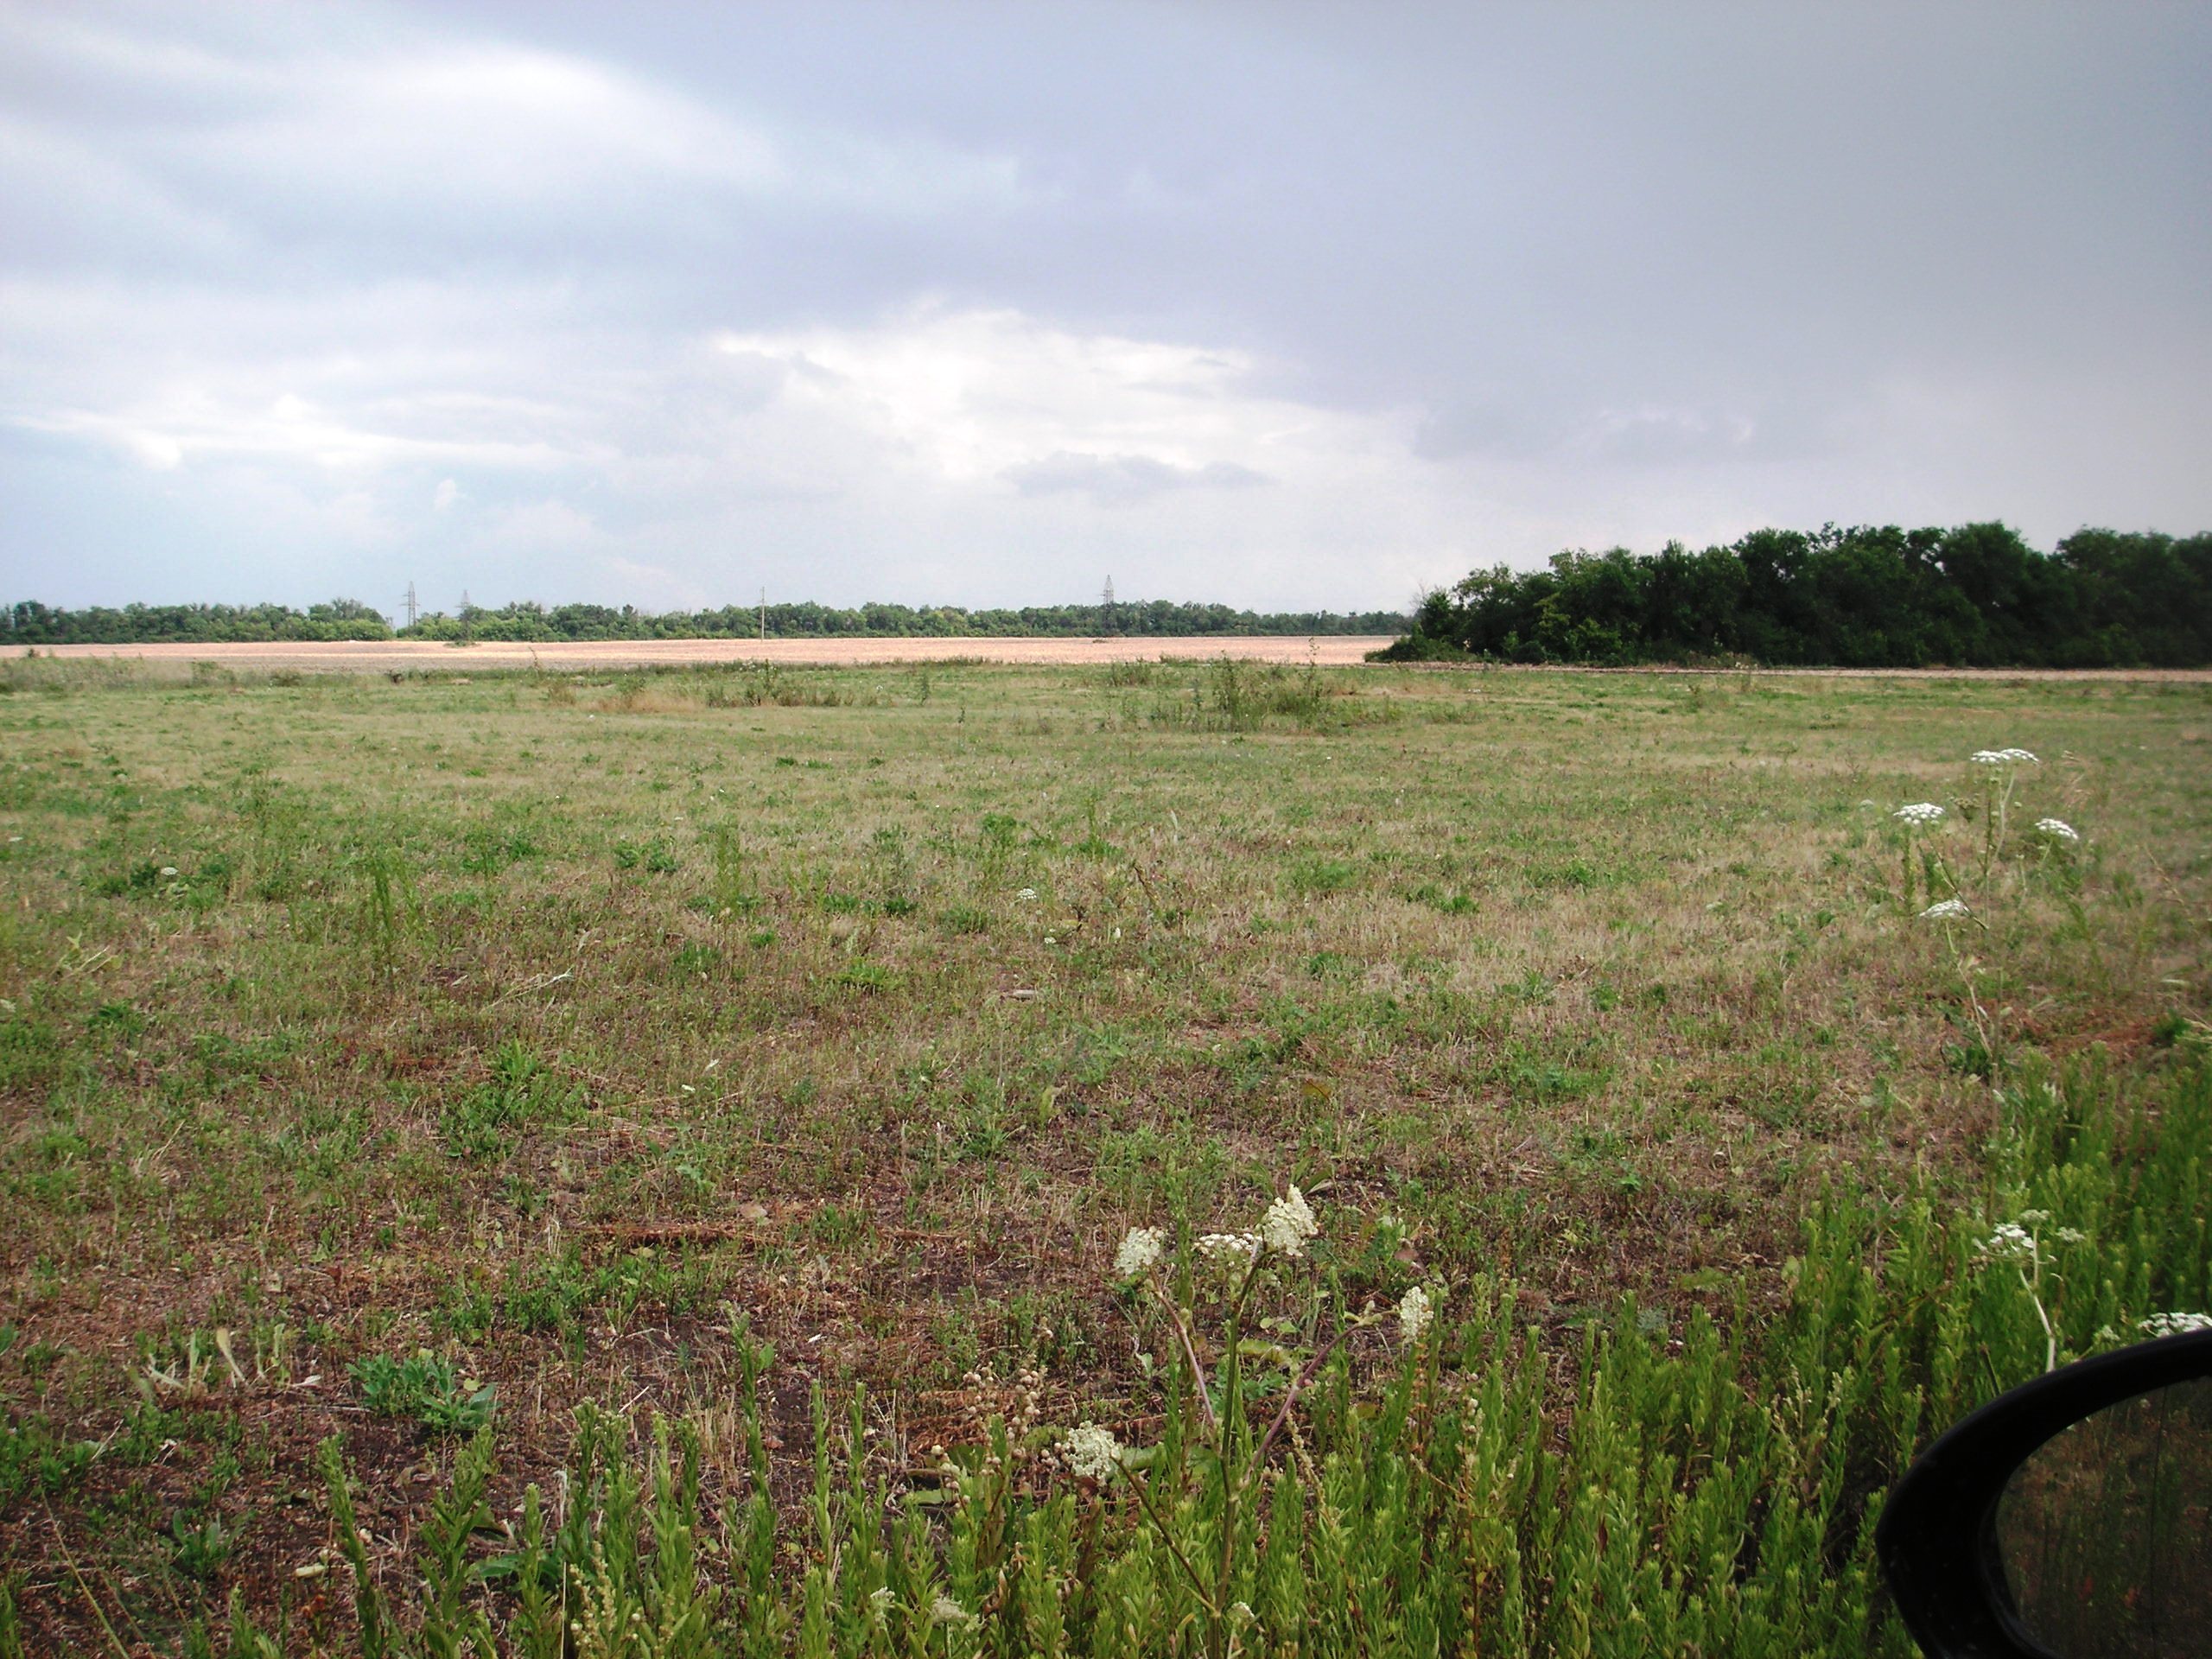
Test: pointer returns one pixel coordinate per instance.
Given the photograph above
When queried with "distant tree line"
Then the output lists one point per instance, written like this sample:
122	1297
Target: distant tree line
32	624
525	619
1974	596
29	623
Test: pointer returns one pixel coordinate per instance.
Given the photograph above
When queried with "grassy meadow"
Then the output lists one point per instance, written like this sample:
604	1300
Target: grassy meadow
497	1076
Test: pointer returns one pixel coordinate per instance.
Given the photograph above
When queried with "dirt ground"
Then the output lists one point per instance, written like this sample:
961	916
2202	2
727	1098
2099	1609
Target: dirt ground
1328	650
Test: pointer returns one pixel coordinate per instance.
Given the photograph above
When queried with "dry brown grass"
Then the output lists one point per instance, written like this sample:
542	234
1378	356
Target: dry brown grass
1591	978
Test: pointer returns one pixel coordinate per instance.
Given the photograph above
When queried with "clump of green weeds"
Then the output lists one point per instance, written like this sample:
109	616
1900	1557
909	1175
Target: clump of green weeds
424	1387
385	905
735	893
34	1459
522	1093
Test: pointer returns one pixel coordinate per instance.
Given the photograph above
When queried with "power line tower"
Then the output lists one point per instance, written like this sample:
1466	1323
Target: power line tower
467	619
411	606
1106	608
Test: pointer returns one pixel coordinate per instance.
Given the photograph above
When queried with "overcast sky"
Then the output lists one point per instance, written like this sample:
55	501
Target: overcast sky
1280	304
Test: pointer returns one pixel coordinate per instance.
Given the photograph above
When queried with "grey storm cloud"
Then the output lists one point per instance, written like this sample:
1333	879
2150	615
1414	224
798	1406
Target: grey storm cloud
975	301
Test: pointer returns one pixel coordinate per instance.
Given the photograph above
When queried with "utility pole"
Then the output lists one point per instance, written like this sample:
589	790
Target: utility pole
1106	608
467	616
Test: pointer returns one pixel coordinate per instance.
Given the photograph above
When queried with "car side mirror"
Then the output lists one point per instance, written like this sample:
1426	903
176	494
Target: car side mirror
2071	1517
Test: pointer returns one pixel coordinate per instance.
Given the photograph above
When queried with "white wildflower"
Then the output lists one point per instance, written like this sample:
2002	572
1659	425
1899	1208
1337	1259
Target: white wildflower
1141	1248
1945	910
1219	1246
945	1610
2009	1242
2107	1336
1415	1314
2057	829
168	870
1288	1223
2019	756
1919	812
2175	1325
880	1600
2070	1235
2004	757
1092	1452
1027	895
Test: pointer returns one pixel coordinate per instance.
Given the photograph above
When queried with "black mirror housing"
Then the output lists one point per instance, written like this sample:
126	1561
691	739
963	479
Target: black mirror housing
1937	1537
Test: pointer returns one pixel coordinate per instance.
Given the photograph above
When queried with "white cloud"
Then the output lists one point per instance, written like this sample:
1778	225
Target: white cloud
550	523
1119	480
293	132
968	396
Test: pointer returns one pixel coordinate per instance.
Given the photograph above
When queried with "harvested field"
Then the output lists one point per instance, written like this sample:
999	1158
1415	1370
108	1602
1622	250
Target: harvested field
405	654
1325	651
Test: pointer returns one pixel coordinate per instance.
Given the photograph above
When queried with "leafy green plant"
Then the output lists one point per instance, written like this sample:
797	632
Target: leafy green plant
386	906
425	1387
198	1549
33	1458
522	1092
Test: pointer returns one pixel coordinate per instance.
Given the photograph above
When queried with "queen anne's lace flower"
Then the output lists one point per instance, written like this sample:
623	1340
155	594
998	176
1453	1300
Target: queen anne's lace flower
1091	1452
2175	1325
2058	830
1288	1223
1919	812
2009	1242
2004	757
945	1610
1141	1248
1945	910
1415	1314
1217	1247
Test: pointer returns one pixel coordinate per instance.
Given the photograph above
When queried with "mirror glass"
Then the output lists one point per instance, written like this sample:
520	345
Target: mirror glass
2104	1530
